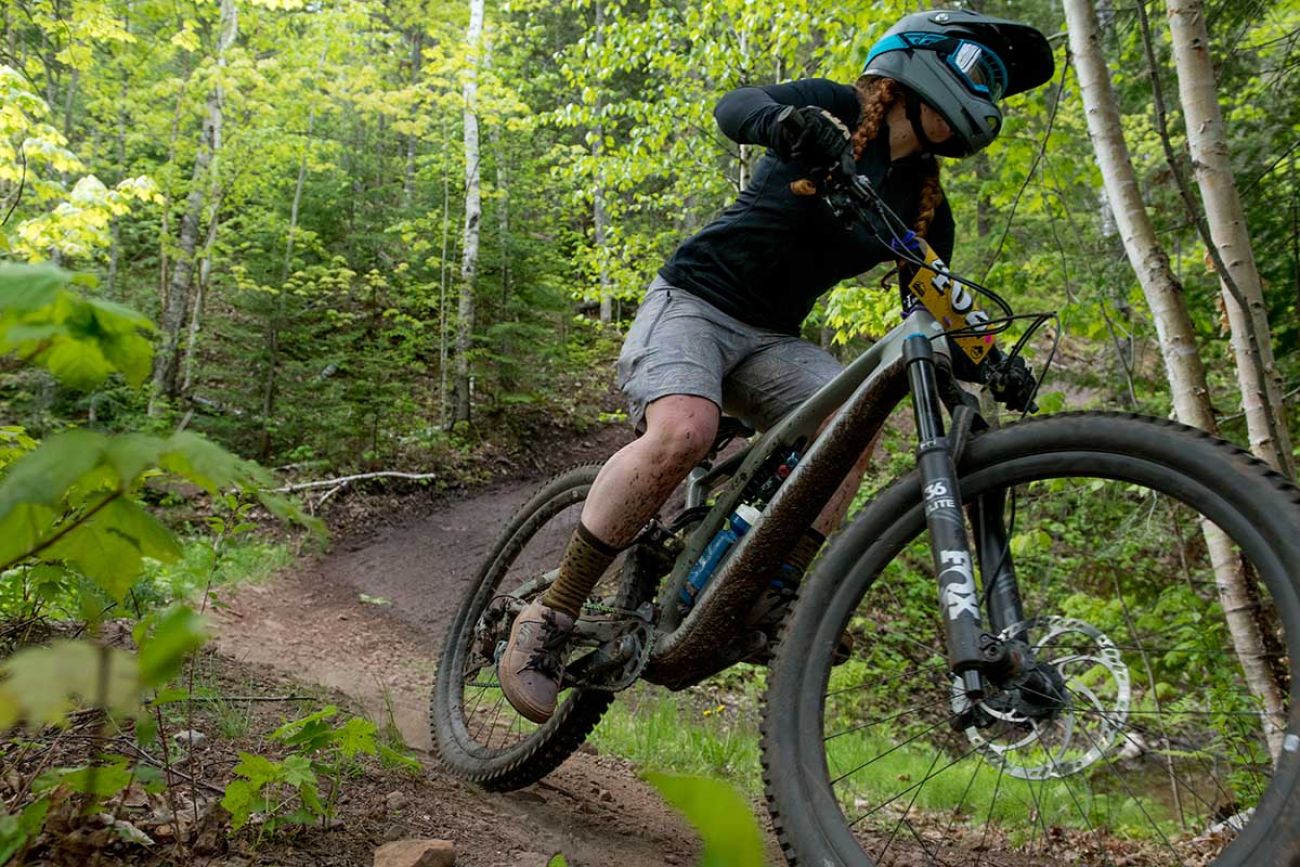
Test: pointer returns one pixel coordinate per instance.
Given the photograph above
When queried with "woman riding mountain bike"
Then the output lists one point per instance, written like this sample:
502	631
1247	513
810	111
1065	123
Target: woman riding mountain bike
719	326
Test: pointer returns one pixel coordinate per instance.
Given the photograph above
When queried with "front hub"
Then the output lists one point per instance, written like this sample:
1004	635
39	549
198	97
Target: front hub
1059	711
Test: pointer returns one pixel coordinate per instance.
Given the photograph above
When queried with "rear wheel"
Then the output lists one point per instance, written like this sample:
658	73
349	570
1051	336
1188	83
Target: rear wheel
477	735
1160	749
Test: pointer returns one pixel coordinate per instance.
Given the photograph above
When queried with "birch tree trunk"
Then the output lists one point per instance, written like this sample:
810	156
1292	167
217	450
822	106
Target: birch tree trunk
1183	364
408	177
1257	373
473	216
599	216
178	300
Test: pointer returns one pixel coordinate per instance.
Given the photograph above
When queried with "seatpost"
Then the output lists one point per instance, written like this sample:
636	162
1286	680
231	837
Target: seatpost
959	601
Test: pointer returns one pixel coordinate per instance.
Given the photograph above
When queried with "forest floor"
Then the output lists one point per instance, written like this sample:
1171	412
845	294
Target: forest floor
311	623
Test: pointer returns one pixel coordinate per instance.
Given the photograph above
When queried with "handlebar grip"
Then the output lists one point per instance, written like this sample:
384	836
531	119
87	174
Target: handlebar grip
792	124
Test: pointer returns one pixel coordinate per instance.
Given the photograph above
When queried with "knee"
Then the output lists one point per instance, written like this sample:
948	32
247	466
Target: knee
681	441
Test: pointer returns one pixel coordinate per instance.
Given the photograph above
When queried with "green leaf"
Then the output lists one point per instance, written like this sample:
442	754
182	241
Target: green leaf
130	521
170	696
297	770
258	770
100	781
393	758
80	364
23	529
42	684
130	455
311	732
179	633
357	735
557	860
45	475
15	831
110	547
30	287
721	816
240	800
206	464
131	354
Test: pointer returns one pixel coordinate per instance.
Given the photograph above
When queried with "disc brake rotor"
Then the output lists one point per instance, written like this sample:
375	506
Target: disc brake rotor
1081	733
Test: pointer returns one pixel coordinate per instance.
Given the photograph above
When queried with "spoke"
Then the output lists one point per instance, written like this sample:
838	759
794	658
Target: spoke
965	792
934	858
1134	797
1064	778
997	787
892	749
911	803
870	723
923	781
930	667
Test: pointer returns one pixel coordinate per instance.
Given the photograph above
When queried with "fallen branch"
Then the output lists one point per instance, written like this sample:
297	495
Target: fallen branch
215	698
344	480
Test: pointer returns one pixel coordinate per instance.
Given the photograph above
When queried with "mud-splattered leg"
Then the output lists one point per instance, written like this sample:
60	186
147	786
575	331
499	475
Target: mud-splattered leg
637	480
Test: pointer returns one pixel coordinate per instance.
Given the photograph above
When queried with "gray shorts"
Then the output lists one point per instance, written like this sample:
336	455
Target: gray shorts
681	344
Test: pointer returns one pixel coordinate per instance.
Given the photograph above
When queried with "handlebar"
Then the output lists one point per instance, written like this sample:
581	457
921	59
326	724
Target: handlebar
852	198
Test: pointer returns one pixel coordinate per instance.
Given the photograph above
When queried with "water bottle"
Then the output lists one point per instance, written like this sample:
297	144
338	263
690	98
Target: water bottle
735	526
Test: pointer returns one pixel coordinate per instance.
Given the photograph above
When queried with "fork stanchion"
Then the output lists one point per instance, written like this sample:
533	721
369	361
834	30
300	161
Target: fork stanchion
959	600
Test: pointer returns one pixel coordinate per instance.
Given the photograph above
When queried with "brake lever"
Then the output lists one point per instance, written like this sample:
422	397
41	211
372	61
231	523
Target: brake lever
1013	385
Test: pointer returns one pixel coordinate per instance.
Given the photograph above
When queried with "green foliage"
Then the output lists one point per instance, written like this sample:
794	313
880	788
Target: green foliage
288	791
16	830
722	818
79	339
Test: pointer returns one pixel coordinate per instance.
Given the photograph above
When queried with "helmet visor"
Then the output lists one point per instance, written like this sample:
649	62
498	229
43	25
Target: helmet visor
979	70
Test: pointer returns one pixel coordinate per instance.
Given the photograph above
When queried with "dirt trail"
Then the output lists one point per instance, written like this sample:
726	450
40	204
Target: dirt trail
311	623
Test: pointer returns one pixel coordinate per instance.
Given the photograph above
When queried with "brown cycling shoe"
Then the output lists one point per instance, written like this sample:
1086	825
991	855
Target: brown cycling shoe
532	665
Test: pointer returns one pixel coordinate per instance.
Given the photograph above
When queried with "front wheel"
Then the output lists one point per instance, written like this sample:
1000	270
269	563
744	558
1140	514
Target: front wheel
1173	740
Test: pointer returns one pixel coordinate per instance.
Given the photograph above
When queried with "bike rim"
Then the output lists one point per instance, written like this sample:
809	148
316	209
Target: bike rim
481	716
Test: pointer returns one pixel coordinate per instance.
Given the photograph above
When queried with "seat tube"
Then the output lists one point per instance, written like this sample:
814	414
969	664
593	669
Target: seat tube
959	601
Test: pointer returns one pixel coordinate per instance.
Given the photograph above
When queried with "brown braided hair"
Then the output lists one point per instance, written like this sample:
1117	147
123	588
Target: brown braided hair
877	96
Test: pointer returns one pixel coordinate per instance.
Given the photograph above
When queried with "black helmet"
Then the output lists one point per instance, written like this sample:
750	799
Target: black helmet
961	63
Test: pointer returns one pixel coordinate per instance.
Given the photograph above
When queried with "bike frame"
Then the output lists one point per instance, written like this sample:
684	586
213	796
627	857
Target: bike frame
860	400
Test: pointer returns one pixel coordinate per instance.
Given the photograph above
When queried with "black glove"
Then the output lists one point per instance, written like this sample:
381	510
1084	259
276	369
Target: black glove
821	138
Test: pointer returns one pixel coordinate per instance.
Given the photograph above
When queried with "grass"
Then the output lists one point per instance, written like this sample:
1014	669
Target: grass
664	732
242	561
672	732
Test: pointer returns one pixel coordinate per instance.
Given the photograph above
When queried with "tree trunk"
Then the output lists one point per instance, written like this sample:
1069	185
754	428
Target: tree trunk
1177	342
202	286
277	311
1257	374
178	296
473	216
503	212
408	177
599	215
444	374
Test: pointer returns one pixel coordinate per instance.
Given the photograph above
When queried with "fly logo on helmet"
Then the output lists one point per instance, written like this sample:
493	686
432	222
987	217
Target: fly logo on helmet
961	64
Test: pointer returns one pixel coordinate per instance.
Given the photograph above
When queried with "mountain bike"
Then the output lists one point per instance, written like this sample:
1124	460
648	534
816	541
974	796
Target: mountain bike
1115	688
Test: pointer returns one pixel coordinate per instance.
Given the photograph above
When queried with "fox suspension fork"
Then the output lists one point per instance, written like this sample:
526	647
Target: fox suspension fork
959	601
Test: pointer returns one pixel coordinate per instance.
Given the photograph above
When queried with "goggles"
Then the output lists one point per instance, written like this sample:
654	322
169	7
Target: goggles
978	69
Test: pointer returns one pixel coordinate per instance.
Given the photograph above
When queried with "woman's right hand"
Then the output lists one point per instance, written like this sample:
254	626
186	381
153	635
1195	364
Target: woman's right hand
822	141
